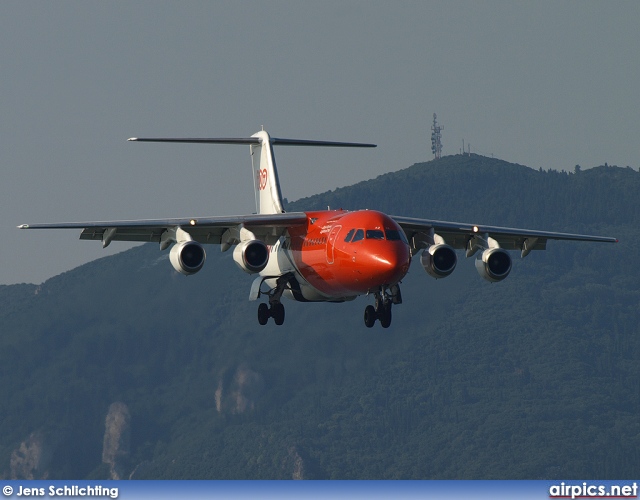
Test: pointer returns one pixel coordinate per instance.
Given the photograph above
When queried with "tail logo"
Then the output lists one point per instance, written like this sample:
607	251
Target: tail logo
262	179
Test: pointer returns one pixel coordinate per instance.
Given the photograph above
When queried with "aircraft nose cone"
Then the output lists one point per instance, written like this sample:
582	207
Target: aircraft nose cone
388	264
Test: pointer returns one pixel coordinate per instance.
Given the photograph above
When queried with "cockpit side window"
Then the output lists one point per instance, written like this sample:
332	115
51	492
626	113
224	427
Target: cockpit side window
349	235
375	234
358	236
395	235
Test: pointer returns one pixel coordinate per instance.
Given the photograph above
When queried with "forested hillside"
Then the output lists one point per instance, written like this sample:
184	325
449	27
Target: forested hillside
123	368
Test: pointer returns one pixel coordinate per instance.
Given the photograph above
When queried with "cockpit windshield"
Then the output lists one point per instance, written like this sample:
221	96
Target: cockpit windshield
395	235
358	236
375	234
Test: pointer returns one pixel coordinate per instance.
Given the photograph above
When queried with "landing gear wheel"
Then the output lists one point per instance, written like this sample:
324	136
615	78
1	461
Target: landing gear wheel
263	313
385	316
369	316
274	308
277	312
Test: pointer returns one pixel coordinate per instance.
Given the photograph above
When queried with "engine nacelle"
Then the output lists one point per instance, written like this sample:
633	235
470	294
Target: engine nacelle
494	264
187	257
439	260
251	256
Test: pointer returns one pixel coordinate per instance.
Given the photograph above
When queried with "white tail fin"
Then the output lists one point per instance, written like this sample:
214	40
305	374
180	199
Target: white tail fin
263	163
265	174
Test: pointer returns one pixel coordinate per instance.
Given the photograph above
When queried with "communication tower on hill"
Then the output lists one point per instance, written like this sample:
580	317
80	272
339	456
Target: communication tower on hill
436	143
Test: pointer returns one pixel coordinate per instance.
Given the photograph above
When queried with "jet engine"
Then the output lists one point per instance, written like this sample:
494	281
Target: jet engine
439	260
187	257
494	264
251	256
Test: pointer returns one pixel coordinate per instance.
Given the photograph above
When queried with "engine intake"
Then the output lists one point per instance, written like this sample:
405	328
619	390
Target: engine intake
494	264
439	260
187	257
251	256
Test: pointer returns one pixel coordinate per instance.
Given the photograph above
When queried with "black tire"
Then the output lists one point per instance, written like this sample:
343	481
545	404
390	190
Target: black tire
369	316
277	311
263	313
385	316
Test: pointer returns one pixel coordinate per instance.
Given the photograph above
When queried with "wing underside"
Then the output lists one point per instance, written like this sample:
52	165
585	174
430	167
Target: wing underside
459	235
201	229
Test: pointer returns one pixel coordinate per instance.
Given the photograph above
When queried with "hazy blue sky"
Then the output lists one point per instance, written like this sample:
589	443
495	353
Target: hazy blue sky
546	84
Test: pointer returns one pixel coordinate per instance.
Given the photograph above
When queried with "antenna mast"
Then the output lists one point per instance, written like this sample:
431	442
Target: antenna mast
436	143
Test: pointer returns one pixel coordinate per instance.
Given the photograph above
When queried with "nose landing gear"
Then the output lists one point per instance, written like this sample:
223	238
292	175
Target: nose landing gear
382	310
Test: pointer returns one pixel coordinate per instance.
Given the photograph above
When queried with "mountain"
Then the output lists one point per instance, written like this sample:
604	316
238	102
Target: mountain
124	368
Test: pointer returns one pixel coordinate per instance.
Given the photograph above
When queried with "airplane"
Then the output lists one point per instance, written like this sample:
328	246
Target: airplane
320	256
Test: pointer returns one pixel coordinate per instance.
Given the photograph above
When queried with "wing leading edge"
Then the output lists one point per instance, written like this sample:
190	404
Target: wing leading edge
210	229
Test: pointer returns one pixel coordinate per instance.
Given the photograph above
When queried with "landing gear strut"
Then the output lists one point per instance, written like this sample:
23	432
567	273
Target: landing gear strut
382	310
275	309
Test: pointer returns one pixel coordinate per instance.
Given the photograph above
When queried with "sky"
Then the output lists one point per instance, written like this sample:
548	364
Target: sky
546	84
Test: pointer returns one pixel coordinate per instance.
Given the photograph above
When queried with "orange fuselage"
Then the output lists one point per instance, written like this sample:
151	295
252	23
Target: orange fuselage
344	253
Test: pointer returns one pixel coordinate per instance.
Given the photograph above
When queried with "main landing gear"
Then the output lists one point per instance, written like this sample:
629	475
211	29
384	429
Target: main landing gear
382	309
275	309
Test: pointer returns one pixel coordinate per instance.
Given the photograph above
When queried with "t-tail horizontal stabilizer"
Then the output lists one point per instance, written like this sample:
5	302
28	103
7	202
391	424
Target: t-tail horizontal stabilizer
257	140
265	173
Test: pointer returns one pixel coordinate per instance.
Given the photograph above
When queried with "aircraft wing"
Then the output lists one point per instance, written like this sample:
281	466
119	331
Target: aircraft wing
201	229
459	234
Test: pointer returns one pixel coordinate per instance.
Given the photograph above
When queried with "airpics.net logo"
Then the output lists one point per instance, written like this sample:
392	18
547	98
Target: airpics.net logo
586	490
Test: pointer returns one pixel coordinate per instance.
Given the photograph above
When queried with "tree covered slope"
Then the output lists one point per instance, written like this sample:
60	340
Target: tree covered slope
124	368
